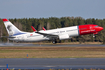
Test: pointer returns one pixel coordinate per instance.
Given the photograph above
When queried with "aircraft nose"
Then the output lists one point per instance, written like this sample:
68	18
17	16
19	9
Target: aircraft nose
98	28
101	28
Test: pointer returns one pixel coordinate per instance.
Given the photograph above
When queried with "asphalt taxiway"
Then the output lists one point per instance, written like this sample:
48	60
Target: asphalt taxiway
49	45
52	63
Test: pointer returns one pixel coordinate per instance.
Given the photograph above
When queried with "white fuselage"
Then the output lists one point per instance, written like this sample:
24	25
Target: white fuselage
63	33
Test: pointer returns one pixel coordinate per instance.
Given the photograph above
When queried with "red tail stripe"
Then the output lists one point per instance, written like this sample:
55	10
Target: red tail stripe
5	20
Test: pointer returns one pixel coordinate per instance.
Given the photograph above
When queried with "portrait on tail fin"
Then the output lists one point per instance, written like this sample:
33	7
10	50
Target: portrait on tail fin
9	27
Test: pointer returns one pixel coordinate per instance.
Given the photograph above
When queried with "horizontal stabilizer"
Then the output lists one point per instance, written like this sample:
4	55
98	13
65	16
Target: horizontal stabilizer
7	37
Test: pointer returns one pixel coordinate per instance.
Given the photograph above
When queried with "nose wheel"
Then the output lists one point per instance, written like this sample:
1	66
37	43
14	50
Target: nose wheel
93	35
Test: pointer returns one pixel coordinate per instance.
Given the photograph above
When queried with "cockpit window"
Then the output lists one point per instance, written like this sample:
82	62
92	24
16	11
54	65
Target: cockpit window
96	26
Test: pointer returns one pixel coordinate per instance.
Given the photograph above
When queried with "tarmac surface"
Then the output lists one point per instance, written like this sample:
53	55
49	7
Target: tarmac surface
49	45
52	63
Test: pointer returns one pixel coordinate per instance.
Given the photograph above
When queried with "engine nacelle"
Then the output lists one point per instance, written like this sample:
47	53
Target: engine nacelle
64	36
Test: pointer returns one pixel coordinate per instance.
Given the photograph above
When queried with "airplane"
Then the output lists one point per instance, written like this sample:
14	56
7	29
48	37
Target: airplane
50	35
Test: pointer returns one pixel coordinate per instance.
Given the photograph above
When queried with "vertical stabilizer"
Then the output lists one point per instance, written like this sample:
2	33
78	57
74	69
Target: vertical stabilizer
11	29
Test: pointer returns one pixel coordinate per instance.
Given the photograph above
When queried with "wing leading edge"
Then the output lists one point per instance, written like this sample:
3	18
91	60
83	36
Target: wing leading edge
48	35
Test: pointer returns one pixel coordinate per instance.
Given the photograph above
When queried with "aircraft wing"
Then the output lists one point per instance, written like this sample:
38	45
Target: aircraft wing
48	35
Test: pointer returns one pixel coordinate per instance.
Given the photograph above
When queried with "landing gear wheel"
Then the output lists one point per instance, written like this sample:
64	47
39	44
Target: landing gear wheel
54	41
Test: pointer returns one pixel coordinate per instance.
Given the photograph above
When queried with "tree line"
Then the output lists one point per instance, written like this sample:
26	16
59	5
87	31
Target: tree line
25	24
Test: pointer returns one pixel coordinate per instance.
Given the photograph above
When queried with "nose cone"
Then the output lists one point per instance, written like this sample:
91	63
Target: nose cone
101	28
98	28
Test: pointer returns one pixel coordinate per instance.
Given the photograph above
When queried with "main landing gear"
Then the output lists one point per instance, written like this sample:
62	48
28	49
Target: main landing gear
54	41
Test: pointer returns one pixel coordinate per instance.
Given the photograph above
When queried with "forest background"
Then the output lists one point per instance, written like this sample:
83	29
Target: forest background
25	24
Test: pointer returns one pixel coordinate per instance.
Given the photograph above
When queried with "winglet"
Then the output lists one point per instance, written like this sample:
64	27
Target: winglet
44	29
4	20
33	29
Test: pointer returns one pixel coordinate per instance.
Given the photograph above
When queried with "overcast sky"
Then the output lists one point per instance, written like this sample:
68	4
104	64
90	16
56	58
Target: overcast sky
52	8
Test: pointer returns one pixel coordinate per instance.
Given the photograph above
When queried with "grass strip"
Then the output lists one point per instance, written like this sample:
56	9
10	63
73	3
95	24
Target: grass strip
52	52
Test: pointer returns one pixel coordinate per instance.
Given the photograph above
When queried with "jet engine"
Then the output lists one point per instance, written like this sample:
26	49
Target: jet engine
64	36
